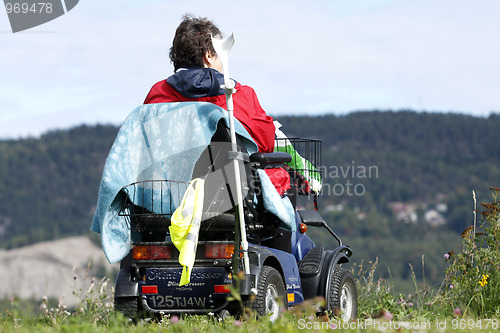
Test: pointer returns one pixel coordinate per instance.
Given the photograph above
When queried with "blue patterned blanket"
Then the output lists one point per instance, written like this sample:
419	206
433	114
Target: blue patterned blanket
156	141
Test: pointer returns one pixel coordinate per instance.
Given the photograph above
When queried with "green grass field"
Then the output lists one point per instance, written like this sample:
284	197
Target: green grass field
379	311
466	301
288	322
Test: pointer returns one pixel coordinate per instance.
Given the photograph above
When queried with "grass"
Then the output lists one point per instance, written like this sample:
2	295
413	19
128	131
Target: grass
379	310
466	301
288	322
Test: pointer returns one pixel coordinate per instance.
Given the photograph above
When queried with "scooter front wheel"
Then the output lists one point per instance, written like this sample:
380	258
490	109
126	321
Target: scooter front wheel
342	297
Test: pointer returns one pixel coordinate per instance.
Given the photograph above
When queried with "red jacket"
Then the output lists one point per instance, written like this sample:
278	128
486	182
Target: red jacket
203	84
246	109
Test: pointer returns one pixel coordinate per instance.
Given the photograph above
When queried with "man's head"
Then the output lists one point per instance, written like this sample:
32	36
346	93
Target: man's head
192	45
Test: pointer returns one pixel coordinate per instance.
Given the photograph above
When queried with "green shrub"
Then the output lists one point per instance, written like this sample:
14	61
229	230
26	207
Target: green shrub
473	279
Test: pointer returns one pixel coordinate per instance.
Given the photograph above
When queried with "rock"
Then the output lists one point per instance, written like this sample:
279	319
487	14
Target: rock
52	269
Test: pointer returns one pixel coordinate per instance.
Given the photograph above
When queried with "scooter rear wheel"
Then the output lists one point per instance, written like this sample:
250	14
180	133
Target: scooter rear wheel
270	298
128	306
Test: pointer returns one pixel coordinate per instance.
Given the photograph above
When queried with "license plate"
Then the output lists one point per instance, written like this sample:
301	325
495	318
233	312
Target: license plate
177	302
198	294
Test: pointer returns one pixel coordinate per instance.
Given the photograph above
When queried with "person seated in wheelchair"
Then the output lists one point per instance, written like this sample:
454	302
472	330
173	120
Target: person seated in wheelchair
198	77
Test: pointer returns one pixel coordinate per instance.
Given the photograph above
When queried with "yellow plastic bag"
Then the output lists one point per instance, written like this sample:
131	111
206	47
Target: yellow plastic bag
185	227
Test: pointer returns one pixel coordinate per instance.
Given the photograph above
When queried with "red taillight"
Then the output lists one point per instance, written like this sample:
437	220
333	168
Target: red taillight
219	251
222	289
147	252
149	289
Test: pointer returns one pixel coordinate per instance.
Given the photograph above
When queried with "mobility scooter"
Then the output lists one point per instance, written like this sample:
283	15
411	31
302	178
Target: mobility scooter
267	259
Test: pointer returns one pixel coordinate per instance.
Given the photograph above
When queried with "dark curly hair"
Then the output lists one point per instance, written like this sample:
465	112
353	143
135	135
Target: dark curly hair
192	40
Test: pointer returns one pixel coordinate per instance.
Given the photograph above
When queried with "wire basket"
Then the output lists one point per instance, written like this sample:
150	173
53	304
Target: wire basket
149	204
306	160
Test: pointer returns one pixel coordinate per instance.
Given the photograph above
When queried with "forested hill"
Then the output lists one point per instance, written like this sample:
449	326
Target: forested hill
452	137
49	185
419	156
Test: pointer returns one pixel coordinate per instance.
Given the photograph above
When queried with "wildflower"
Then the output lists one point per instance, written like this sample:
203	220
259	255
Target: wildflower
451	286
410	304
91	286
237	323
446	256
457	311
103	286
467	231
484	280
174	320
387	315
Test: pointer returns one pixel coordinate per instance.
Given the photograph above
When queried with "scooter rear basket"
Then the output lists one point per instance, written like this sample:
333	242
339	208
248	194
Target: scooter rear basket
149	204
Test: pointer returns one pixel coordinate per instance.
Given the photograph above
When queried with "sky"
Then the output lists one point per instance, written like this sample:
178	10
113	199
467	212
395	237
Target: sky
96	63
